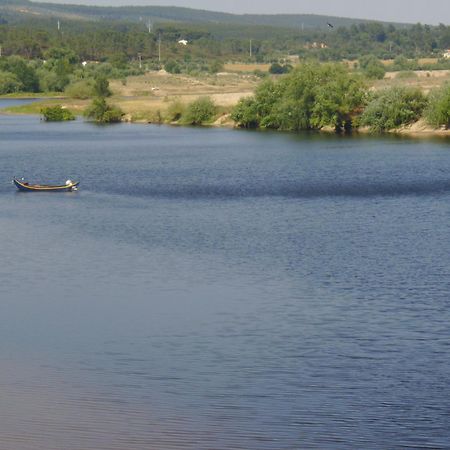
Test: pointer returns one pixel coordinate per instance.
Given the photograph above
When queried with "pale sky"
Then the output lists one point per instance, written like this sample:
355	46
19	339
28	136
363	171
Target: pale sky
424	11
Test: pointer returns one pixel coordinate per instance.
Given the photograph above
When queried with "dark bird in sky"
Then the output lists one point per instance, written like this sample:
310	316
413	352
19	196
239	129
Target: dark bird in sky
330	25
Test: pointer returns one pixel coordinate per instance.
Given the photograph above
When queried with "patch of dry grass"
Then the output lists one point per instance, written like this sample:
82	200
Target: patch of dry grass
426	80
241	67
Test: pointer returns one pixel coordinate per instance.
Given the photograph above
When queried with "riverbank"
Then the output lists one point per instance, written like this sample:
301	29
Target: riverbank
223	119
148	98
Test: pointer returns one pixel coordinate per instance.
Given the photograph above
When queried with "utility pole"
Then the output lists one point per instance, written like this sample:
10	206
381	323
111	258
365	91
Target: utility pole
250	48
149	26
0	51
140	60
59	26
159	47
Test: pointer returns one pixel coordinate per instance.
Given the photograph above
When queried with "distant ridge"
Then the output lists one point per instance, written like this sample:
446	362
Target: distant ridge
22	9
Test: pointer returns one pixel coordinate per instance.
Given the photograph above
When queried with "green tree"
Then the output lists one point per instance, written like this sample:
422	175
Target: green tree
23	71
101	112
101	87
310	97
9	83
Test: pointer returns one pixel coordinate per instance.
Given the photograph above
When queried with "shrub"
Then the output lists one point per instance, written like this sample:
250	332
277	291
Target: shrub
278	69
245	113
81	89
56	114
101	112
372	67
393	108
200	111
172	66
215	67
175	111
438	111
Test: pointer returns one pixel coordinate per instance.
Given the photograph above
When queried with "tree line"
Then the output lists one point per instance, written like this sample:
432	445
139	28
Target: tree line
126	41
313	96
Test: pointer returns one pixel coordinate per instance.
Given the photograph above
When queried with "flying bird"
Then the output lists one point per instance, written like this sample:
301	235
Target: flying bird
330	25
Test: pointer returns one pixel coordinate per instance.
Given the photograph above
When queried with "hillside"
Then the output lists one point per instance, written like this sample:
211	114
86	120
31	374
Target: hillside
18	10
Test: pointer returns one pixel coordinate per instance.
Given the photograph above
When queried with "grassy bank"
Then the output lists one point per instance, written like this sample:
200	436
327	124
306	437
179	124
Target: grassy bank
159	97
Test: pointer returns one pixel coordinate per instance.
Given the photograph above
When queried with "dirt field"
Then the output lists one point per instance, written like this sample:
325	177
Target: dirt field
423	79
246	67
142	96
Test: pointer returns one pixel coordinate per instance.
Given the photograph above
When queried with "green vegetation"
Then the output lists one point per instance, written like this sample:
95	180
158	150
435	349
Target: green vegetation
438	111
393	108
310	97
96	44
81	89
101	112
56	114
175	111
278	69
372	67
200	111
120	41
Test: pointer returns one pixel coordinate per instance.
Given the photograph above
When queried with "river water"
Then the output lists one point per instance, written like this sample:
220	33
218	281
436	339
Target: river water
223	289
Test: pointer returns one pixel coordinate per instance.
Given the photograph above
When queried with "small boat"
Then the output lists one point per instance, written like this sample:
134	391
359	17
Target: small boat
24	186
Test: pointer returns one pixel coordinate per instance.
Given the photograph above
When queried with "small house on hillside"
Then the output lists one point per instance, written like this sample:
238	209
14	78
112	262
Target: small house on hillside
446	54
183	42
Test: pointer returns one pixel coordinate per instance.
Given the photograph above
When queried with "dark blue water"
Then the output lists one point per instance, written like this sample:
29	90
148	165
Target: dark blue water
218	289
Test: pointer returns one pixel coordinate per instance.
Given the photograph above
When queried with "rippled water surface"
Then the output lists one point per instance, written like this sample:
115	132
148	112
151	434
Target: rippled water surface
219	289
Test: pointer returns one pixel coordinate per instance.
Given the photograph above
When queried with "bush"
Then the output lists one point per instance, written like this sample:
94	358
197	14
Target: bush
216	66
82	89
393	108
175	111
278	69
56	114
172	66
372	67
438	111
245	113
101	112
200	111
